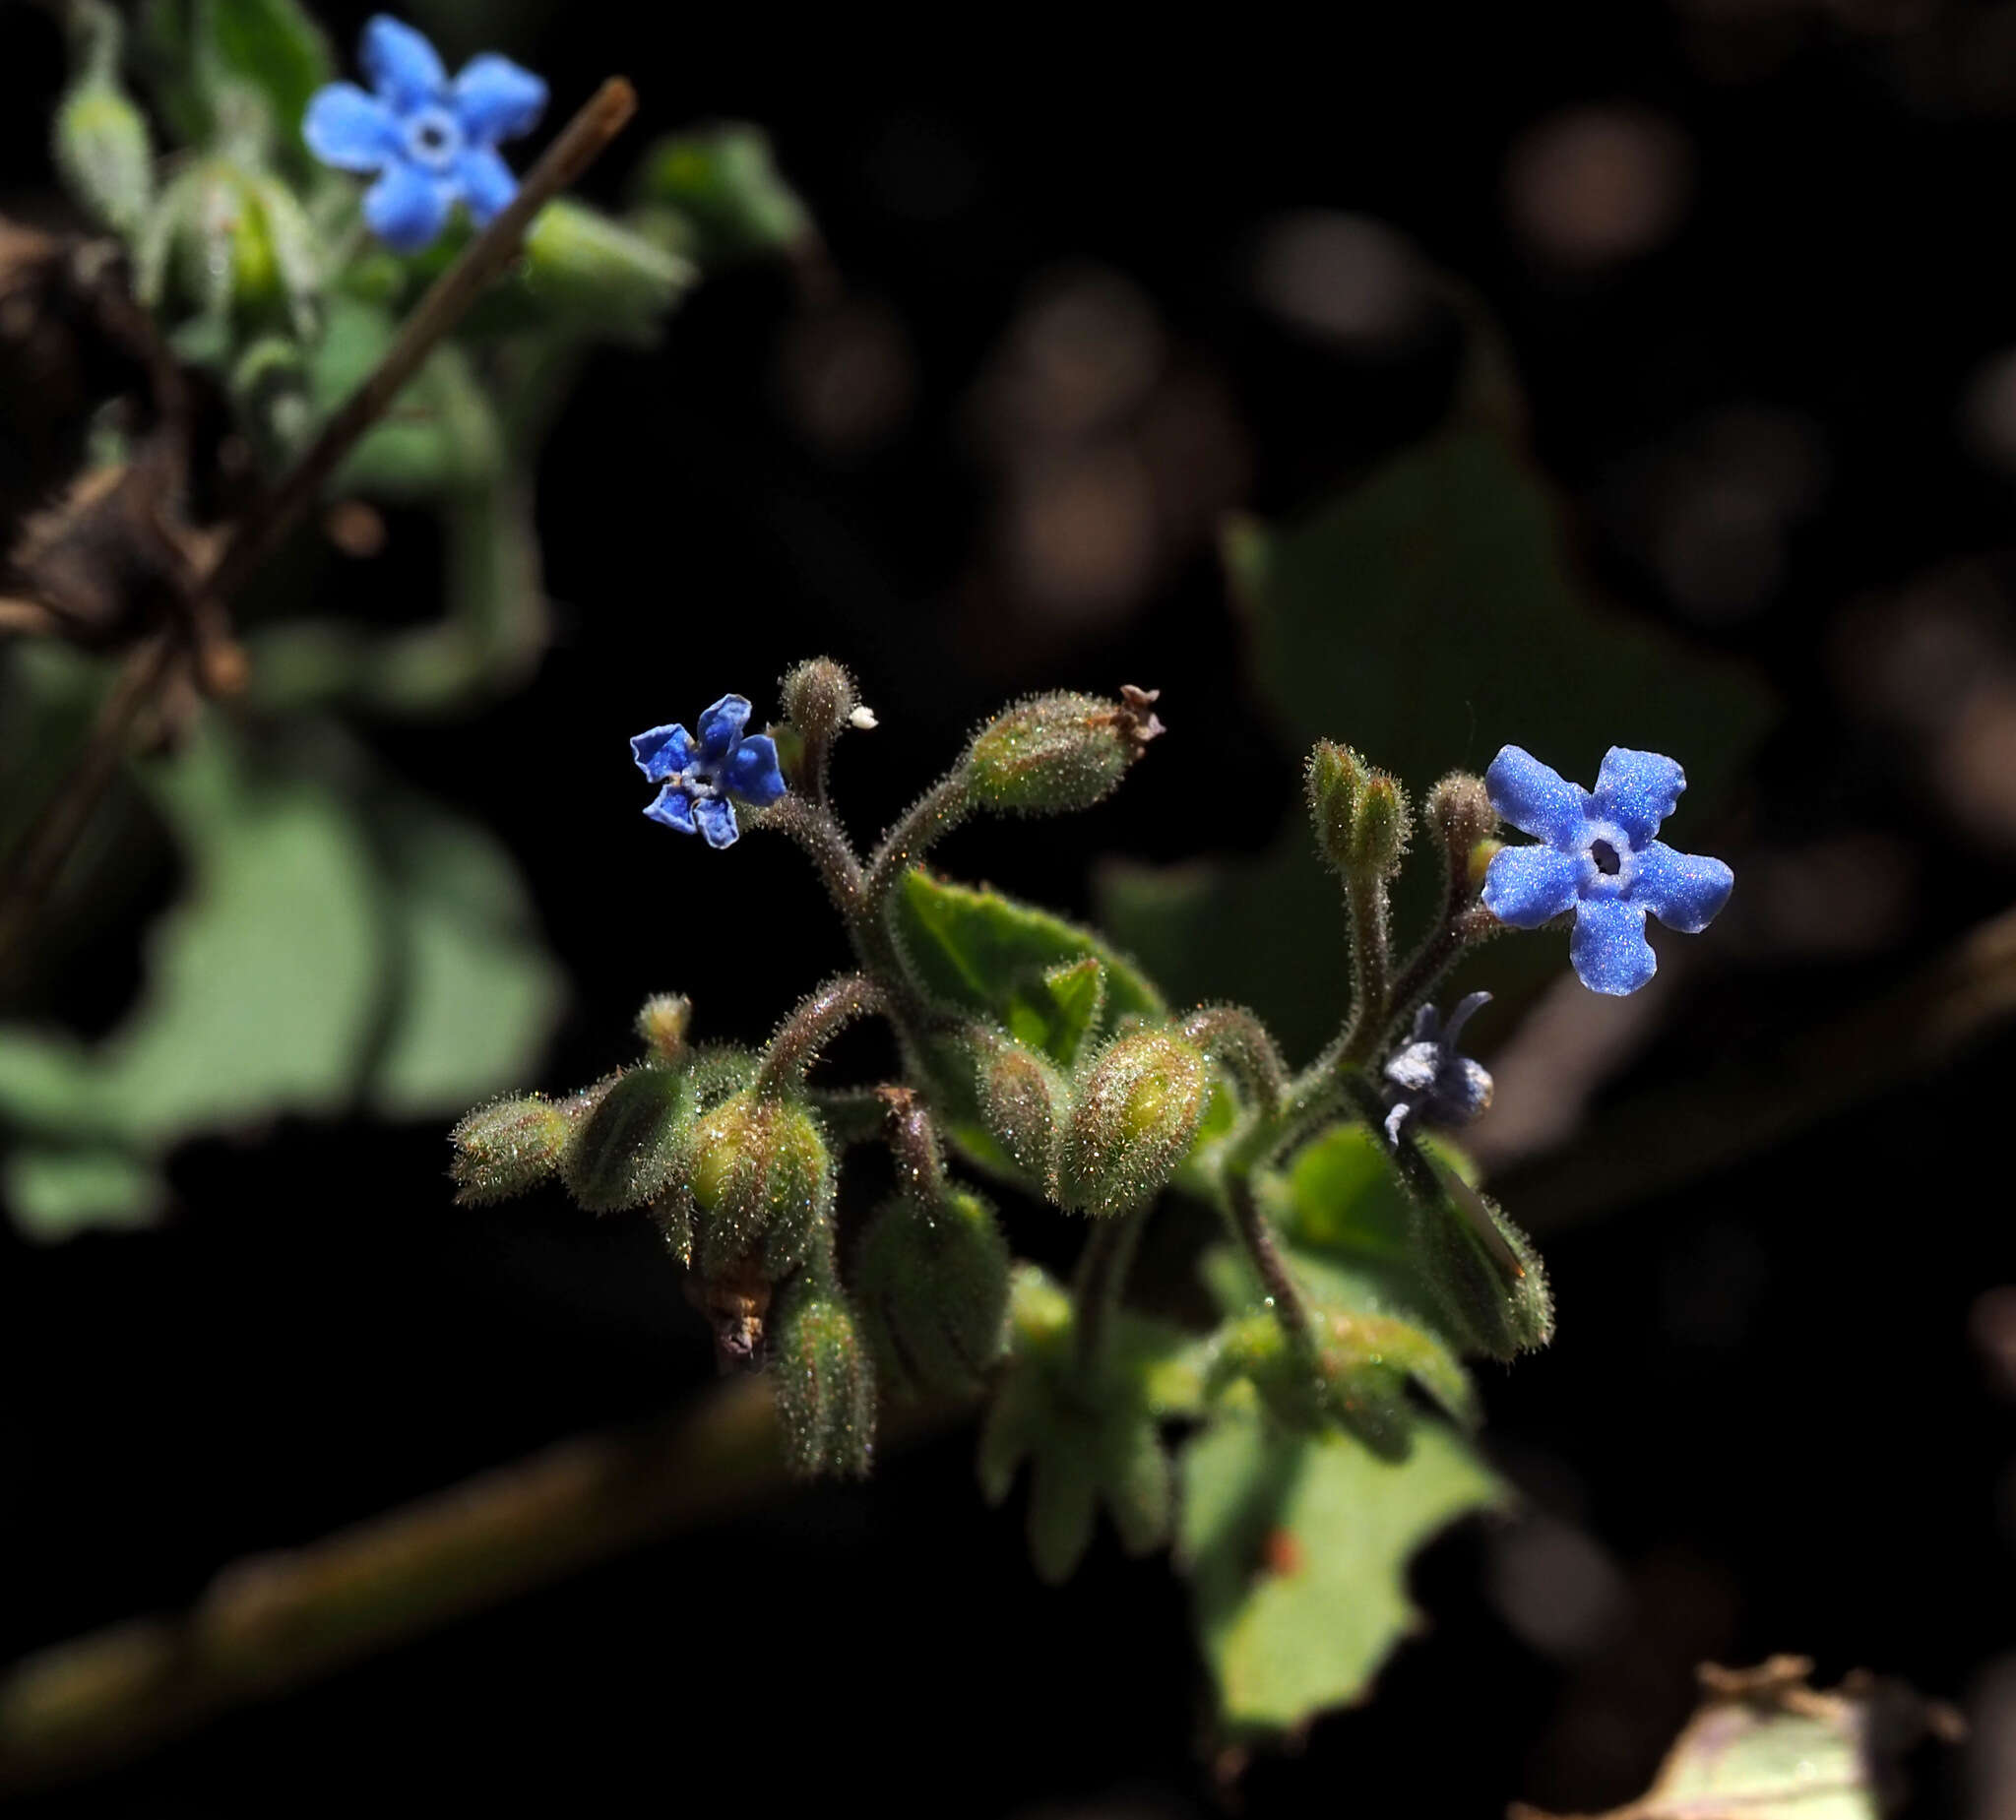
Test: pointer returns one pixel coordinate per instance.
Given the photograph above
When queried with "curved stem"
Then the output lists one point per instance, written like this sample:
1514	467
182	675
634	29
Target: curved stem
934	814
1102	1268
1464	925
819	1017
819	835
1245	1046
1256	1237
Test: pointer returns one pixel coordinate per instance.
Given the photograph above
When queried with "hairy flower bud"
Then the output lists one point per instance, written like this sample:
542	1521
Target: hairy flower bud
1494	1295
1332	780
1057	753
1024	1100
1459	809
630	1146
818	698
931	1277
662	1022
761	1182
1378	834
1132	1121
507	1147
824	1385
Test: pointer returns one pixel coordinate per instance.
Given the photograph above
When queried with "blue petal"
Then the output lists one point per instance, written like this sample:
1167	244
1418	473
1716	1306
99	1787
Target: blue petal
496	100
663	751
674	808
752	771
405	208
1535	799
722	725
717	821
1609	947
350	129
486	183
401	64
1527	886
1685	891
1637	790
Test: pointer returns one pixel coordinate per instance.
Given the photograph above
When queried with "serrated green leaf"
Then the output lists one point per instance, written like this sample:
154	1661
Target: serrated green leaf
1296	1550
986	952
1427	617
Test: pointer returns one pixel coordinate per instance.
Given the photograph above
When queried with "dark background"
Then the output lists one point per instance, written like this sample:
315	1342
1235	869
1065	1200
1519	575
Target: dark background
1755	299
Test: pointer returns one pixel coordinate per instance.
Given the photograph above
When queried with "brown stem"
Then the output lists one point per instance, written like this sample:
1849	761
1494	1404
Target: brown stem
1464	923
817	831
1256	1236
274	1622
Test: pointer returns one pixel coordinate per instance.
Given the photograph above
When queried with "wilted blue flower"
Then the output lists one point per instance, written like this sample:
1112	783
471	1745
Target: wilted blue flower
700	776
1438	1087
1600	859
432	142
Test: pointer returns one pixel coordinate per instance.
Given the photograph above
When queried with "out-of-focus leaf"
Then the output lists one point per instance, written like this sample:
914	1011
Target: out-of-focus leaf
1296	1550
477	994
101	142
717	197
592	274
54	1193
273	46
1427	617
1763	1746
986	952
334	943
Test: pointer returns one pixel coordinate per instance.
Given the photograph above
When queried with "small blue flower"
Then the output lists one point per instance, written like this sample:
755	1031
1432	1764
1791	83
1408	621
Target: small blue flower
1438	1087
432	142
1601	861
700	776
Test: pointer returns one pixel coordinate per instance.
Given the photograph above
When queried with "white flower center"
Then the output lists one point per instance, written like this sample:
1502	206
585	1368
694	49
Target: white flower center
1609	864
433	137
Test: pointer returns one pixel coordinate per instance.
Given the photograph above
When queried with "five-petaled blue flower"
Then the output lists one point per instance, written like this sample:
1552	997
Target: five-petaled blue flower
432	142
1600	859
700	776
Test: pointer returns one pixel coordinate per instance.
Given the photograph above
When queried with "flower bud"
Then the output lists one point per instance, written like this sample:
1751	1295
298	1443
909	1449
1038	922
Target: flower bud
1132	1122
1057	753
662	1022
818	698
716	194
1332	780
1379	831
597	274
824	1385
1460	811
103	152
630	1148
1024	1100
507	1147
761	1182
1493	1296
932	1278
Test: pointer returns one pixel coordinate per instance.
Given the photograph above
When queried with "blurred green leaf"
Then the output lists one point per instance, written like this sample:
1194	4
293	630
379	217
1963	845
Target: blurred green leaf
273	46
329	946
977	949
1429	617
101	142
1297	1549
717	197
54	1193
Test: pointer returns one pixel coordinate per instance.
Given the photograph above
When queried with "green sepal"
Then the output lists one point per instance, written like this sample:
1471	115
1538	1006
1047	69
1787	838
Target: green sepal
631	1147
760	1181
825	1383
1135	1114
507	1147
931	1279
715	196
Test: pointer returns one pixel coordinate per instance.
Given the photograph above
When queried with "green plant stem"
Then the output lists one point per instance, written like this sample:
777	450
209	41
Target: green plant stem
819	1017
1256	1239
1462	925
1102	1268
1247	1048
934	814
1371	968
275	1622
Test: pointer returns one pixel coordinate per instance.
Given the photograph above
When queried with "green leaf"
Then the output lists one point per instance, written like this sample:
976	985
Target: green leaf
57	1192
273	46
984	951
1427	617
716	196
1296	1550
1765	1746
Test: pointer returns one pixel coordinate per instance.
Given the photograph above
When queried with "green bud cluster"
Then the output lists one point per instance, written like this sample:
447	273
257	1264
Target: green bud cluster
1134	1114
1055	754
931	1277
825	1382
1360	814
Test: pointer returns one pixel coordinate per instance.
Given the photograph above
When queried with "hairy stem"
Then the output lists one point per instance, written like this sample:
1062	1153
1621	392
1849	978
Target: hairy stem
933	815
819	835
1247	1048
1102	1268
819	1017
1464	923
1256	1239
914	1143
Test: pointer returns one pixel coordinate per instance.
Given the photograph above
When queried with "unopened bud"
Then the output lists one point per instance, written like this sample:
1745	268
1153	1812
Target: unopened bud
761	1183
1057	753
103	152
1460	811
1485	1272
1132	1122
933	1280
1332	780
1024	1100
818	698
1378	835
507	1147
630	1148
595	274
824	1385
662	1022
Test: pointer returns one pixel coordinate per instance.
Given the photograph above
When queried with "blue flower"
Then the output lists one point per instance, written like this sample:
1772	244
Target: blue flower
432	142
1601	861
700	776
1438	1087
